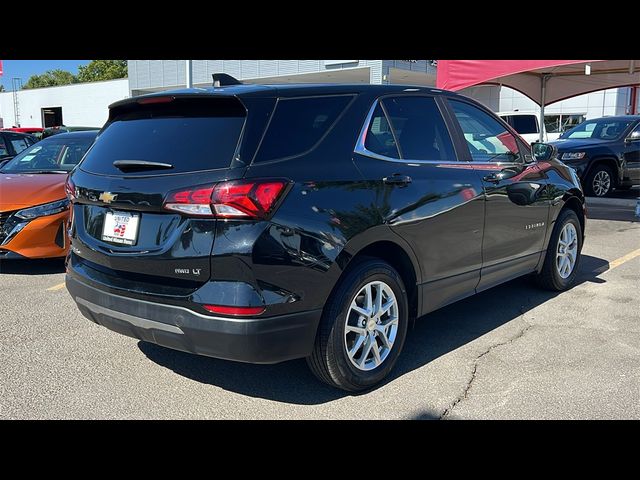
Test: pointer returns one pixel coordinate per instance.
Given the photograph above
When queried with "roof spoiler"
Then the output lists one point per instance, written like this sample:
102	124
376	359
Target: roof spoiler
222	80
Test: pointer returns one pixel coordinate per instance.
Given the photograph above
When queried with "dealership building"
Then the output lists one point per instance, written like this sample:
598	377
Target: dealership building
78	104
85	104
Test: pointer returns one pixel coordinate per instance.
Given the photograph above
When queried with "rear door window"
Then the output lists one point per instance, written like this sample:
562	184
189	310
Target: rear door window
419	128
190	134
299	124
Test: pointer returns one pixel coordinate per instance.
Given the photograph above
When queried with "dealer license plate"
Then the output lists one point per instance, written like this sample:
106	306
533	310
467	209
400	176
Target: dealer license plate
121	227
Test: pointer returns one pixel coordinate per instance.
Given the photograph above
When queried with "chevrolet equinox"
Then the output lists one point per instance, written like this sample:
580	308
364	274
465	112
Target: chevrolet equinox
265	223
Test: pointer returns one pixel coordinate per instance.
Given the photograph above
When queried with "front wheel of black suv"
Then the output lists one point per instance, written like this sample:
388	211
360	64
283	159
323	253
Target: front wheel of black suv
562	259
363	328
599	182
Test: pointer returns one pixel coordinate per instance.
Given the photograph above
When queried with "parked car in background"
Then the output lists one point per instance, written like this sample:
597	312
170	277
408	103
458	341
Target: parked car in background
528	126
265	223
63	129
605	152
35	131
12	143
33	206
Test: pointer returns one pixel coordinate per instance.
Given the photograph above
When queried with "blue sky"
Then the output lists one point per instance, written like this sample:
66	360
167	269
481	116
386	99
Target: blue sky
25	68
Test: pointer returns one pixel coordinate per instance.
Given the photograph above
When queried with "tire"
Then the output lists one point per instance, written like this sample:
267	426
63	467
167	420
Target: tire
330	360
595	181
552	277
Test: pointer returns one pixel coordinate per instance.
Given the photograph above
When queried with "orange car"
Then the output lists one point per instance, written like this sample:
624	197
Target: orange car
33	204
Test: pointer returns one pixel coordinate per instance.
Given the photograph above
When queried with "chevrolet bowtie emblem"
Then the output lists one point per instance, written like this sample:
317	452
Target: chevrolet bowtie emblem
107	197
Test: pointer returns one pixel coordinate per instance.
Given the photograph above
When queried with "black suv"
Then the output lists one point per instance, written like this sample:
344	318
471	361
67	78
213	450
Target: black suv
605	152
266	223
12	143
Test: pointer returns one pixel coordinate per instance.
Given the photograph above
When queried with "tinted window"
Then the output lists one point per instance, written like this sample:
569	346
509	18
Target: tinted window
18	142
298	124
56	154
419	128
188	135
3	147
523	123
601	129
486	137
379	137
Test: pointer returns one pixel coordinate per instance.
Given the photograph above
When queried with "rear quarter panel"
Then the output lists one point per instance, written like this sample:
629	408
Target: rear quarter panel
329	214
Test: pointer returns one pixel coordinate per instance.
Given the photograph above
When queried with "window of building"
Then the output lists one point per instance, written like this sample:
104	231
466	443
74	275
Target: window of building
562	123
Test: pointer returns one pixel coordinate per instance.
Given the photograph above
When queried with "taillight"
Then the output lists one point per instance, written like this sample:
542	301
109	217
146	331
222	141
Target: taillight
228	310
250	199
70	189
151	100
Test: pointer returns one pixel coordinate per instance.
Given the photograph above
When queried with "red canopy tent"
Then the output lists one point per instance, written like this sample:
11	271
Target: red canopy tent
543	81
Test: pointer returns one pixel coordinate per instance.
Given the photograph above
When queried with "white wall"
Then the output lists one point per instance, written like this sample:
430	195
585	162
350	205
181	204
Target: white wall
83	104
596	104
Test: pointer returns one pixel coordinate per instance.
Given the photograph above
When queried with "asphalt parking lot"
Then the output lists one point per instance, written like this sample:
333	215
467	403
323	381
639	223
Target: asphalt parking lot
512	352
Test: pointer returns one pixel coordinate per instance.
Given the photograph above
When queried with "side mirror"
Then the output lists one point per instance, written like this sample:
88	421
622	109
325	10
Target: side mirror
543	152
634	137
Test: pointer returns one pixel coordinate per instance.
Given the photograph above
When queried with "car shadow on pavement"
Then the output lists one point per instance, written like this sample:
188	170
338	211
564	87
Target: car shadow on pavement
432	336
45	266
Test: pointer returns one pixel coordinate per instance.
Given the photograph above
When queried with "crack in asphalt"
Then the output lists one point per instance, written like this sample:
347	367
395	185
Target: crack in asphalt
465	393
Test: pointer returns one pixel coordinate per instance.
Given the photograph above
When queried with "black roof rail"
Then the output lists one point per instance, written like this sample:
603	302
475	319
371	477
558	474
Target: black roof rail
222	79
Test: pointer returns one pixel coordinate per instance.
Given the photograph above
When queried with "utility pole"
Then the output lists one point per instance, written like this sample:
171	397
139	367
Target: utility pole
189	74
16	83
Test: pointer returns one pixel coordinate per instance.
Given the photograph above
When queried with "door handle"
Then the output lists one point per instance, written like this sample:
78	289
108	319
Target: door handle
494	177
397	179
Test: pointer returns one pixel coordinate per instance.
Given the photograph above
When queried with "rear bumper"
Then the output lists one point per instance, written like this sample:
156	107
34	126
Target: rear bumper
253	340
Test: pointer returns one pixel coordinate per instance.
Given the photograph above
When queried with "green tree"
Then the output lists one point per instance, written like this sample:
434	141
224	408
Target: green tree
50	78
97	70
1	88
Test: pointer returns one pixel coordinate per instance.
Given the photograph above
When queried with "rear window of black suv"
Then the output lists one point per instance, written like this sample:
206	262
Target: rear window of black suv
299	124
190	134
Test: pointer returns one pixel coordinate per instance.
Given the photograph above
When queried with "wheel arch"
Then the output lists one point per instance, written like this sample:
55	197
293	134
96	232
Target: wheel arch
397	254
574	200
608	160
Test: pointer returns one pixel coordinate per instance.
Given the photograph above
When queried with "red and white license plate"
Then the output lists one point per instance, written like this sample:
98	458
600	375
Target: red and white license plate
121	227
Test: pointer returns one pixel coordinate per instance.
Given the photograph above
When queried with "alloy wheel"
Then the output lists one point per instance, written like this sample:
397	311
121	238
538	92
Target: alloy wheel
371	325
567	251
601	183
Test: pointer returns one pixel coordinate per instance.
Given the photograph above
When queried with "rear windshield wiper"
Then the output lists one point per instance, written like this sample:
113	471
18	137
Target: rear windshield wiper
140	165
